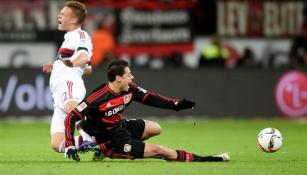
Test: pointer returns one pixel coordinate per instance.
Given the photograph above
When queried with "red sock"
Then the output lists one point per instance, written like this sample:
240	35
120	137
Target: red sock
184	156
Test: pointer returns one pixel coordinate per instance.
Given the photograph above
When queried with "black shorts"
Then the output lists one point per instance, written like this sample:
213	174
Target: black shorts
126	141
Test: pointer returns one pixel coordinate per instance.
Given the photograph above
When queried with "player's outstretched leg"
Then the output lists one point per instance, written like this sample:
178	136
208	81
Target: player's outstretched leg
190	157
158	151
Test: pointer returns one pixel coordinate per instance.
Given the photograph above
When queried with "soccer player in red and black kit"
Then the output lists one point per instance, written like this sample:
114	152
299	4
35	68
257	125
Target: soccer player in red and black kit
101	116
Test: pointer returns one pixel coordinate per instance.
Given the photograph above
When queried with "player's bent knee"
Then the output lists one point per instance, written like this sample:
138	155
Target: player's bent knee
57	139
152	128
70	105
55	146
156	129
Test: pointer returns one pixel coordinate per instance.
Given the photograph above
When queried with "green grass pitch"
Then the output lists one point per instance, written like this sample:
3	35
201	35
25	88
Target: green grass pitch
24	149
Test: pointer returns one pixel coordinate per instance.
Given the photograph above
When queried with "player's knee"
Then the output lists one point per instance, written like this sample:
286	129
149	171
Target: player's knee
57	142
69	106
156	129
55	146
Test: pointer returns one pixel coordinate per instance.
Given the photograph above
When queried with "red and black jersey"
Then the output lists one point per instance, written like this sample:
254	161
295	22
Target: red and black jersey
102	110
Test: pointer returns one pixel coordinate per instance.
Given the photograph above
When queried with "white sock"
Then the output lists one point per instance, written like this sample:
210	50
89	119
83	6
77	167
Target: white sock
78	140
62	145
84	135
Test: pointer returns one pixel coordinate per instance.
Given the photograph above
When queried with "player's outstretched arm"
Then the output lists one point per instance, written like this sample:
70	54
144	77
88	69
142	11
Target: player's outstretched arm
184	104
81	60
156	100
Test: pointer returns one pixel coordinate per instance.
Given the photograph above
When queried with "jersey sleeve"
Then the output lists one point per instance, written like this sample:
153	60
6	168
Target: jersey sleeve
82	43
69	123
153	99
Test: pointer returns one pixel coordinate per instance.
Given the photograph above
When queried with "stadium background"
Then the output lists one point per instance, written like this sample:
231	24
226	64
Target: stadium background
163	40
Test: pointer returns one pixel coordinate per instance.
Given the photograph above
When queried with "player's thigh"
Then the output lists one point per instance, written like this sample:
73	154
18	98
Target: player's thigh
135	126
57	121
69	92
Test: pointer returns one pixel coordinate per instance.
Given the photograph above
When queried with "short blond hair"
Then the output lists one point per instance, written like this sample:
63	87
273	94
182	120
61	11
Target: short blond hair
78	8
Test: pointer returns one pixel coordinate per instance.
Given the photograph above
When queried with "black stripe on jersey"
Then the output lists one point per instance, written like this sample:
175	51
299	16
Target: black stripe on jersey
64	55
82	48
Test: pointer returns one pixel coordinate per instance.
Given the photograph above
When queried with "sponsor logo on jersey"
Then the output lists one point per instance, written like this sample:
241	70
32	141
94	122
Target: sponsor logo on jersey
114	111
81	106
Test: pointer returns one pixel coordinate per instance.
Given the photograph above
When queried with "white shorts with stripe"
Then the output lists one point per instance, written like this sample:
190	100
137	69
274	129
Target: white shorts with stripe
63	91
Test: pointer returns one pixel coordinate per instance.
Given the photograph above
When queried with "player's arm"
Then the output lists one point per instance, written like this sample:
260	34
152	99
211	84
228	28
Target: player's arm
70	121
80	60
87	69
159	101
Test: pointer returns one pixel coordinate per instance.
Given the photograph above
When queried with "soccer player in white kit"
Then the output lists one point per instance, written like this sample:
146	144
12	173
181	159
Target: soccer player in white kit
66	83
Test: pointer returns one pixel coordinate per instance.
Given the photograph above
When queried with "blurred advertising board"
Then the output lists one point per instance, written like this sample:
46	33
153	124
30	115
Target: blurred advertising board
24	21
24	92
151	27
220	93
26	54
153	30
260	18
146	27
291	94
161	22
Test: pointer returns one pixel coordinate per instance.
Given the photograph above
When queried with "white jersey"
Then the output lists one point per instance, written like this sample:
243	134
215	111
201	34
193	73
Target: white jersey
75	42
66	83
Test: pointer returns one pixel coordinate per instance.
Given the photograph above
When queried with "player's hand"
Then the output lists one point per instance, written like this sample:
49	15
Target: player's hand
71	152
67	62
87	69
184	104
47	68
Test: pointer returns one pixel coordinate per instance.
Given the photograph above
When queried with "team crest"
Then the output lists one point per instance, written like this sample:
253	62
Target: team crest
127	148
127	98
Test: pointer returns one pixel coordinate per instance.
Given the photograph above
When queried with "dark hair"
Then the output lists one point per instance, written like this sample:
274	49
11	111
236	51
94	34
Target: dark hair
116	67
78	8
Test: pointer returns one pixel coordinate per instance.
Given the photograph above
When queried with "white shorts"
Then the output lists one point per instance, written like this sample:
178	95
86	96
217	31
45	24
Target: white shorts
62	92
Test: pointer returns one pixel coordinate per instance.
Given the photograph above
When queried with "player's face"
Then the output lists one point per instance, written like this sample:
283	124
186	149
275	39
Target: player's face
126	79
65	19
